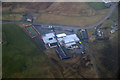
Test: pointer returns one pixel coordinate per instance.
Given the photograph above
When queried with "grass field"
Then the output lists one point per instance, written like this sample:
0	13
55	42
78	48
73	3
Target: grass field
76	14
114	15
21	57
70	20
105	53
0	61
0	50
11	17
31	30
97	5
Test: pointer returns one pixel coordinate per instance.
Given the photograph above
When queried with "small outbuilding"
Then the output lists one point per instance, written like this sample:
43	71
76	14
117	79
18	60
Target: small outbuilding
84	35
29	17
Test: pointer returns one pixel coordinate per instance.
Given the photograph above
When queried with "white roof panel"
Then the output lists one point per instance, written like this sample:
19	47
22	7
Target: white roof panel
70	44
71	38
50	35
61	35
47	37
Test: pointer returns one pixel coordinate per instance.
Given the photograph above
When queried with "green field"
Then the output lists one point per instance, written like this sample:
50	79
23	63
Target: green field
106	55
97	5
114	15
31	30
0	61
21	57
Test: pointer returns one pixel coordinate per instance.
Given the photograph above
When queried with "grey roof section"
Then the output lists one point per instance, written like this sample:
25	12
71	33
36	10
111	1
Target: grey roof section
62	52
70	44
30	15
84	35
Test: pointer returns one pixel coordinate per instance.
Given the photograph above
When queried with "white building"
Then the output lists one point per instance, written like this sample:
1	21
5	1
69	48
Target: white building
70	40
112	31
50	40
107	1
67	40
29	20
60	37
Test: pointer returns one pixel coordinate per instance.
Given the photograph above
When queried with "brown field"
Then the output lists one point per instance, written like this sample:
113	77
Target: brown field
77	14
105	54
27	5
69	20
71	68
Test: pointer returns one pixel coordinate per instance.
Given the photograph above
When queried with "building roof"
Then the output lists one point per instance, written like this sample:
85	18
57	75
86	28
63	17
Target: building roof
112	31
71	38
70	44
60	40
107	1
49	38
62	52
61	35
84	34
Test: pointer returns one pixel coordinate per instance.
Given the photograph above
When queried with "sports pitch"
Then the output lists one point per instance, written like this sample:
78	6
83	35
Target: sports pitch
31	31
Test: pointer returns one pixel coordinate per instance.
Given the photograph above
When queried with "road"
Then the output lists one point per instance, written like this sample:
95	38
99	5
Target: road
108	15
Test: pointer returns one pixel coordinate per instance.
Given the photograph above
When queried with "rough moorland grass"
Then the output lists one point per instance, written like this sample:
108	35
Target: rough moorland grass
11	17
0	61
97	5
105	54
70	14
114	16
20	54
69	20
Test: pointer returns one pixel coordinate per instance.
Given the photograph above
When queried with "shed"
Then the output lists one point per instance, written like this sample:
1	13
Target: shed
84	35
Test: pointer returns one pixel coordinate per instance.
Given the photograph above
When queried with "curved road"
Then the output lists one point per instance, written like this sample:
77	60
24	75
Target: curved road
109	14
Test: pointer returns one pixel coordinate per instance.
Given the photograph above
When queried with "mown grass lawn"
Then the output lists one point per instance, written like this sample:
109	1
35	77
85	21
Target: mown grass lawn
21	57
